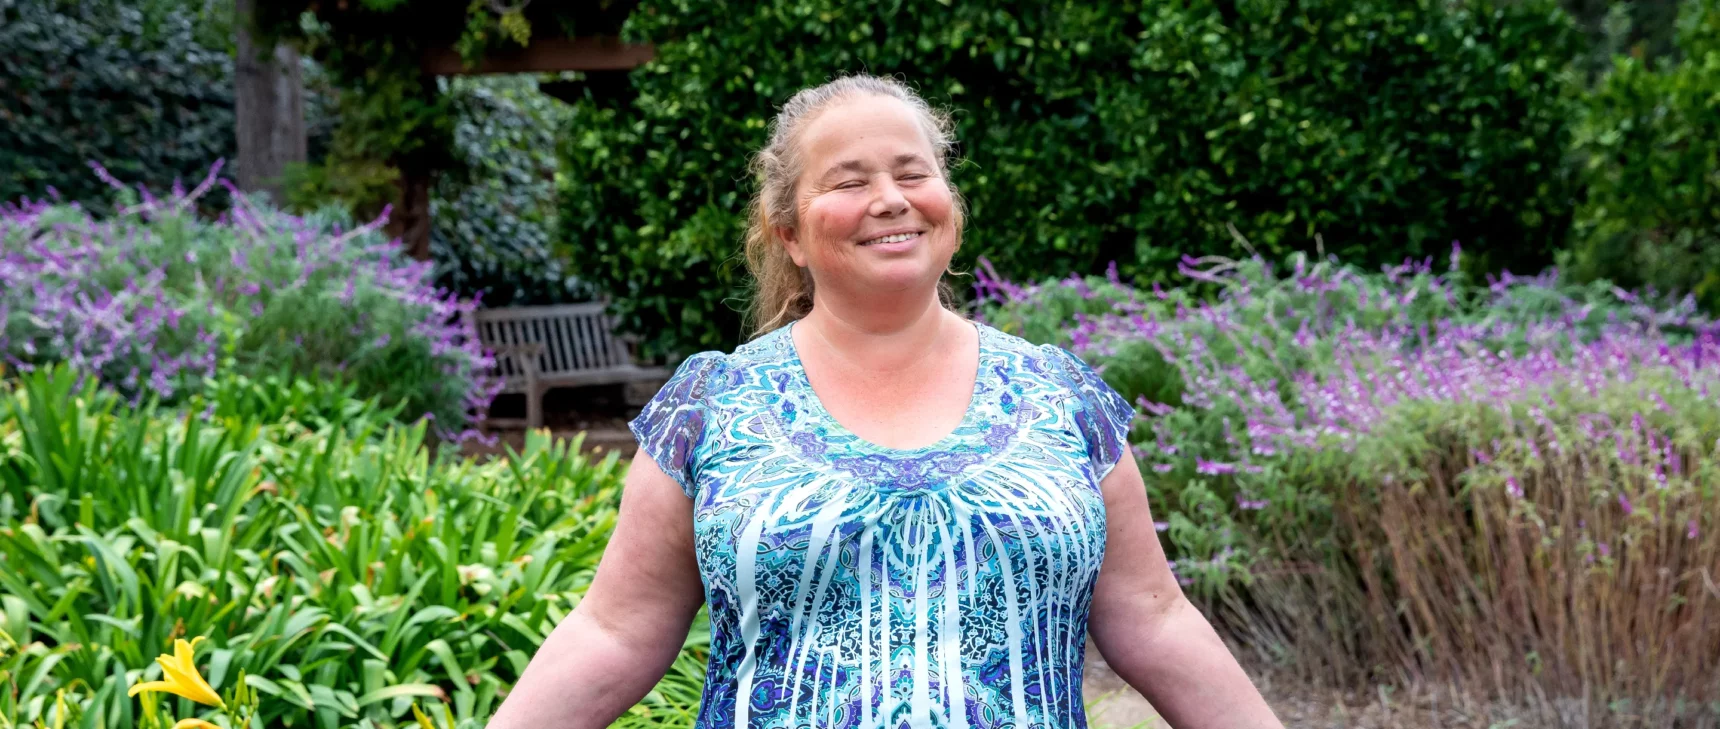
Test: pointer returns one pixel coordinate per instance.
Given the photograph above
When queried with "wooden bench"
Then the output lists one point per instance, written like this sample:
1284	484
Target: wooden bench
568	345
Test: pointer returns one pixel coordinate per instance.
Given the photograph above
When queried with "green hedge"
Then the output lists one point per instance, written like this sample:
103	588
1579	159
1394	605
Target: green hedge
493	216
136	87
1124	131
1651	143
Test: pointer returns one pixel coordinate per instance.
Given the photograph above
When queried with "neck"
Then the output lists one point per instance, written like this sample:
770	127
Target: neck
880	336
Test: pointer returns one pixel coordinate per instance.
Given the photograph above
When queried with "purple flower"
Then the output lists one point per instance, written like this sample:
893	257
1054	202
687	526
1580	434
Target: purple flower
1212	468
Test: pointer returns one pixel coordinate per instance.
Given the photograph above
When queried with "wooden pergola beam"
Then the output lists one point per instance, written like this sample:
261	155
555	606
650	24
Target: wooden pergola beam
592	53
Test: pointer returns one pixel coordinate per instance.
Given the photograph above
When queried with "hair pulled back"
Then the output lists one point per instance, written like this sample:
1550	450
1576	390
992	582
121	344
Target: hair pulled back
783	290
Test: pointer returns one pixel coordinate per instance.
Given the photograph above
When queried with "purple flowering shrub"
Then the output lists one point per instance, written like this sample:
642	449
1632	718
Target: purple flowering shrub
154	300
1228	385
1376	458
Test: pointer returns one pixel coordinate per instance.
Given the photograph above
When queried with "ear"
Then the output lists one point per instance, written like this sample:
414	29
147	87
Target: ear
790	240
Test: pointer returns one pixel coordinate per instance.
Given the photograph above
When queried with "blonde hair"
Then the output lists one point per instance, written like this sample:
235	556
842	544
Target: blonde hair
783	290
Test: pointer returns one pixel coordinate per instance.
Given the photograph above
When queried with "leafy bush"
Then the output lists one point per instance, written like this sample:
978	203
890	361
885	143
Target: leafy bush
136	86
493	210
344	571
494	214
1651	143
1124	131
156	299
1335	453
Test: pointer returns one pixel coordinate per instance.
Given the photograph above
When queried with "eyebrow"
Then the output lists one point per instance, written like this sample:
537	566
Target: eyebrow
854	165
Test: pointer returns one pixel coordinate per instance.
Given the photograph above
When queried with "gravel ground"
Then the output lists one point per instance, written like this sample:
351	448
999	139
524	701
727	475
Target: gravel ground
1112	704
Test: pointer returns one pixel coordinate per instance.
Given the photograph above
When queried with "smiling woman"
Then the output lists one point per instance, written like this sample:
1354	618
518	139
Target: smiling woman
895	144
898	517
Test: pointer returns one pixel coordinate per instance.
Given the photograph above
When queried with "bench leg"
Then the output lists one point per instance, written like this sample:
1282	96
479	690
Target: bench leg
534	405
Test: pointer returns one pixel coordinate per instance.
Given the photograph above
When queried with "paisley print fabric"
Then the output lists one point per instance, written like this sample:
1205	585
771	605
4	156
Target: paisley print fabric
853	585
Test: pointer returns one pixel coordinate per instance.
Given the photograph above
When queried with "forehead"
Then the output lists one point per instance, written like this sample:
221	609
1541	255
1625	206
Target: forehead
863	128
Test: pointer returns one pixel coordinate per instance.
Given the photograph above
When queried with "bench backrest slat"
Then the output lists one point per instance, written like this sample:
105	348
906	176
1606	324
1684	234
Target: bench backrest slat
571	331
586	333
541	312
554	353
575	337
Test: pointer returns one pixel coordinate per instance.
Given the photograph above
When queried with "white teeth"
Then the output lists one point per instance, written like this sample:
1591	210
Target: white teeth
897	238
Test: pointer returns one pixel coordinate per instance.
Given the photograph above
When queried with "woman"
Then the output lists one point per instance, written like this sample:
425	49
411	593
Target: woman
897	516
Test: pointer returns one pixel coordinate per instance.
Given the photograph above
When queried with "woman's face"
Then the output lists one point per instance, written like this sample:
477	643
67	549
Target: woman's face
876	215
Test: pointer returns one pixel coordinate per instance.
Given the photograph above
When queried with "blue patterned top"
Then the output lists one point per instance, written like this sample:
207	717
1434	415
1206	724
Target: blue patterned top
853	585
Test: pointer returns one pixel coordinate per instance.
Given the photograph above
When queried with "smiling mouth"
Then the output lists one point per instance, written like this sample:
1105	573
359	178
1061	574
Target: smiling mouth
896	238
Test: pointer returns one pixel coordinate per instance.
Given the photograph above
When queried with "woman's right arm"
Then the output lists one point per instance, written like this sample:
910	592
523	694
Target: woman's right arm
625	633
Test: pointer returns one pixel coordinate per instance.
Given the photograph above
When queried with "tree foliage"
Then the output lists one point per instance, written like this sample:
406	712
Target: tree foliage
1121	131
494	218
144	88
394	121
1650	139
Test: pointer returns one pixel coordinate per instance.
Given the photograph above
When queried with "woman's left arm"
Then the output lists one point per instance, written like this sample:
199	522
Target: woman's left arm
1149	632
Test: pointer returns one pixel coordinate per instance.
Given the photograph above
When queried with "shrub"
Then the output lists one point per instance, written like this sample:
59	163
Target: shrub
1417	471
344	571
155	299
146	87
492	211
494	216
1650	139
1129	132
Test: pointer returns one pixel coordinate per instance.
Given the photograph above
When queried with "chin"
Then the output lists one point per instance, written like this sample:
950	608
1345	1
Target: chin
901	276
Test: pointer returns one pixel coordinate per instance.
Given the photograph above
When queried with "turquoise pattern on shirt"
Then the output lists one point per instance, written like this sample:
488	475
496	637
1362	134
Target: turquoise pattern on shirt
853	585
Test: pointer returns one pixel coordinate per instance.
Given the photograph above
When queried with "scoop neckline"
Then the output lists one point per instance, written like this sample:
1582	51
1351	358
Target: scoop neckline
813	402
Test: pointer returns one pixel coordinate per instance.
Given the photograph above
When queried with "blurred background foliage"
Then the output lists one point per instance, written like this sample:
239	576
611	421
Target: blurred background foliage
1531	131
494	216
144	88
1649	146
1139	132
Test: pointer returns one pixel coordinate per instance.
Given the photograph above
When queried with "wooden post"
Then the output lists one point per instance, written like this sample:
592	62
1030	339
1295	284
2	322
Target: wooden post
592	53
269	109
410	219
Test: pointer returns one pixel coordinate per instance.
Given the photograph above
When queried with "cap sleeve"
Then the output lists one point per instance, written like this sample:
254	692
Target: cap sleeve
1103	417
671	428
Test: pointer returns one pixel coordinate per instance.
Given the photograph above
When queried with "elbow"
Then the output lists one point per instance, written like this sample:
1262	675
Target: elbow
1129	628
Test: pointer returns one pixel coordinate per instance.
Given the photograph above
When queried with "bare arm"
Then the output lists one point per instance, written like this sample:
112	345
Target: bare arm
623	636
1149	633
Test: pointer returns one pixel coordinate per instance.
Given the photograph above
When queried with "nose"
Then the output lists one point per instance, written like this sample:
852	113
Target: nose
889	201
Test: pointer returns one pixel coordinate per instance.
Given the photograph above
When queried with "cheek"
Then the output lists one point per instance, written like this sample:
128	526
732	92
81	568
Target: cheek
934	203
833	218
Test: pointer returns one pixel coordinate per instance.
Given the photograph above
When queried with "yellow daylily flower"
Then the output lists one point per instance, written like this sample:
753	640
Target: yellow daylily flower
180	677
417	715
194	724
